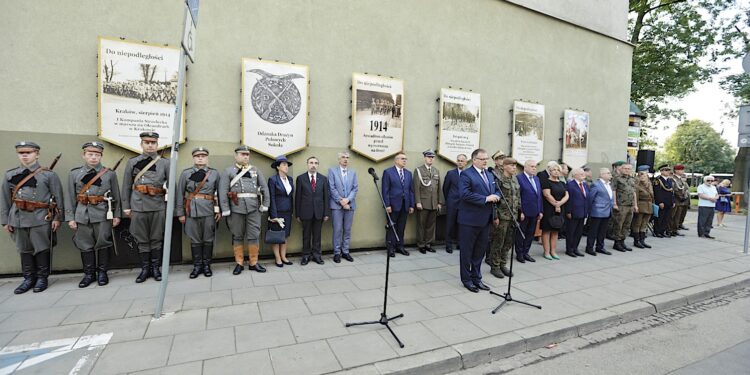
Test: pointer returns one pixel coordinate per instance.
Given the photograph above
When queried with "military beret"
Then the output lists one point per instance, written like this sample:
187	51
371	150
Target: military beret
154	135
643	168
679	167
618	163
242	148
428	152
27	146
498	154
664	167
200	150
93	146
586	167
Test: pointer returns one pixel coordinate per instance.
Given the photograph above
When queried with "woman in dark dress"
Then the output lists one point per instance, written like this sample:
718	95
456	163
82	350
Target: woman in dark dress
724	204
555	195
281	191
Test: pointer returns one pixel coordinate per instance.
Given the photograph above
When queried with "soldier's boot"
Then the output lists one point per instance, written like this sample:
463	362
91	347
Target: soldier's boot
618	246
252	263
156	264
239	259
42	271
643	240
88	259
624	246
102	267
29	273
208	254
145	267
637	241
197	251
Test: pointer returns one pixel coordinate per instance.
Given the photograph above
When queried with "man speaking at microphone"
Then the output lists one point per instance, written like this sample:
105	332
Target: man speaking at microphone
475	215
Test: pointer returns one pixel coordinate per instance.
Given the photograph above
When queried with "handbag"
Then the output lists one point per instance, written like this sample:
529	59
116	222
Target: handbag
556	221
656	210
275	236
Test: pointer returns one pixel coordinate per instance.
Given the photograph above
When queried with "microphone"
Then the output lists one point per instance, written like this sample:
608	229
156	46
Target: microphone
374	175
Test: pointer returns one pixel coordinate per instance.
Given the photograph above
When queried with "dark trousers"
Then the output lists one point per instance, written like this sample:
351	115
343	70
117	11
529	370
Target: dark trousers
473	242
705	219
527	228
451	227
399	219
311	237
574	232
662	222
597	232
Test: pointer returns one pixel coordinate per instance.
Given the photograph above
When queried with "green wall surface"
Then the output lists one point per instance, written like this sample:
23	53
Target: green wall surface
502	51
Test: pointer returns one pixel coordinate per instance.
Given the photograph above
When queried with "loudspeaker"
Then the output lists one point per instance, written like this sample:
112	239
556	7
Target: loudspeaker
646	157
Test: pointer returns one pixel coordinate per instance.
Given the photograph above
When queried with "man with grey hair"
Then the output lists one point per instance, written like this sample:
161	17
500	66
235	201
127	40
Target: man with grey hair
577	209
707	197
342	183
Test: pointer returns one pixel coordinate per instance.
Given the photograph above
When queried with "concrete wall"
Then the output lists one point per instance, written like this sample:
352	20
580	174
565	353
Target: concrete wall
609	17
503	51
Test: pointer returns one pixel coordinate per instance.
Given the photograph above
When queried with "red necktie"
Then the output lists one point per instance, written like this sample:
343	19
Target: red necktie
313	182
583	191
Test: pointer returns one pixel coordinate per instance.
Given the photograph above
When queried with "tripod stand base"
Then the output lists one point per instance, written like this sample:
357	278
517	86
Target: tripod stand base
384	320
508	298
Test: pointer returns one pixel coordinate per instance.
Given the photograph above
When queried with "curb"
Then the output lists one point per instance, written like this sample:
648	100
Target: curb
485	350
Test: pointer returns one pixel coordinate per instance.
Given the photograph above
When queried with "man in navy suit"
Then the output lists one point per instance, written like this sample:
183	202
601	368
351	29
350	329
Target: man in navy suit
577	209
531	207
452	195
312	209
398	195
601	200
342	182
475	215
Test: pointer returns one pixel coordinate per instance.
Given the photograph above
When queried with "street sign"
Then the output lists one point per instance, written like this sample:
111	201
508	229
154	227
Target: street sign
193	6
189	34
744	140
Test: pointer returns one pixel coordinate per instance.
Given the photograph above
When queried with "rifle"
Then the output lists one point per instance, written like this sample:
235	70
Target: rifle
52	213
110	215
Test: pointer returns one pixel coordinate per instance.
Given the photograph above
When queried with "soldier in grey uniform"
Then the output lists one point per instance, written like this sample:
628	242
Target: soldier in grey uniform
429	200
28	211
626	203
503	233
243	184
143	200
196	194
93	200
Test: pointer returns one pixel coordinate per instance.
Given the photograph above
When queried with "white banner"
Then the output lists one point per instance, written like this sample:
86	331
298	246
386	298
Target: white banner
377	116
575	138
528	131
460	123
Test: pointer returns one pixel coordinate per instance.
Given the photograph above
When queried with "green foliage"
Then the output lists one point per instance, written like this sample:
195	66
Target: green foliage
700	148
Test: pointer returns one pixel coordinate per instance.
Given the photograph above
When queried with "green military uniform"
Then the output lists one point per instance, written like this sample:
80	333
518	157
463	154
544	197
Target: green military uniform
645	195
502	236
427	193
624	188
682	203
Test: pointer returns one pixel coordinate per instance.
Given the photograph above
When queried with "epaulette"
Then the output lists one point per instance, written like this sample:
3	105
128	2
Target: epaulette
12	169
75	169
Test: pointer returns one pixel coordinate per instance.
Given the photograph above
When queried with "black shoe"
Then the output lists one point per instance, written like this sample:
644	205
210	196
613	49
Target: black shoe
481	285
677	234
29	274
391	253
238	269
529	258
197	252
42	271
618	246
337	258
506	271
208	255
430	249
472	288
643	241
497	273
145	267
156	264
710	237
571	254
602	251
402	252
637	242
102	267
288	262
318	260
658	235
590	252
347	257
279	264
305	260
257	268
682	227
624	246
449	250
520	259
89	268
577	253
423	250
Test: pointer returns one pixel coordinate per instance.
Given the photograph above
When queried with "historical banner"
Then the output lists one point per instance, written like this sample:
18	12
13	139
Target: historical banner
459	123
377	116
274	106
137	91
528	131
575	138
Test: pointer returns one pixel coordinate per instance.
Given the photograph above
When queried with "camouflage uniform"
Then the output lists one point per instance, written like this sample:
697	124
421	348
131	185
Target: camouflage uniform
501	237
624	188
682	203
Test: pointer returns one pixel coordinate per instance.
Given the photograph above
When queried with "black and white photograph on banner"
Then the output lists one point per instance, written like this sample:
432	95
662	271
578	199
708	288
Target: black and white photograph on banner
460	123
274	106
528	131
377	116
137	91
575	137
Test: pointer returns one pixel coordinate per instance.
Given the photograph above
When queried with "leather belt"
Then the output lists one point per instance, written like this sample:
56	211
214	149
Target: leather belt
247	195
208	197
149	189
30	206
90	199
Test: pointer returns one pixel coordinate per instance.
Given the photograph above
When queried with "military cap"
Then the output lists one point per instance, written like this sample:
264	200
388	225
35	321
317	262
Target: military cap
429	152
665	167
279	160
643	168
26	146
200	150
93	146
679	167
498	154
242	148
154	135
586	167
618	163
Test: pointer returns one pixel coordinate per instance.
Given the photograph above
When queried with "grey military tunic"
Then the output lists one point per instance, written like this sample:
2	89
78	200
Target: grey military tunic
148	211
244	221
200	225
31	231
94	230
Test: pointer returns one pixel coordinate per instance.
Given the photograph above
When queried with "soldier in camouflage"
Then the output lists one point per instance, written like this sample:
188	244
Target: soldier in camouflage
626	203
681	201
503	232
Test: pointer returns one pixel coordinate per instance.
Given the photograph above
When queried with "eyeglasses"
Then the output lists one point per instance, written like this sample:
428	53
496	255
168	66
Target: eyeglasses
482	159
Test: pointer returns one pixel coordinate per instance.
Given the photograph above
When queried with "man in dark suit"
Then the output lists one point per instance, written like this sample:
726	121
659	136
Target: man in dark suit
601	201
476	213
577	209
312	209
531	207
664	197
398	195
452	195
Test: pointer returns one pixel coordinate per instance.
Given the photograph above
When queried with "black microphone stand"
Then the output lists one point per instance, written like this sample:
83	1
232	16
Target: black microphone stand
507	297
384	319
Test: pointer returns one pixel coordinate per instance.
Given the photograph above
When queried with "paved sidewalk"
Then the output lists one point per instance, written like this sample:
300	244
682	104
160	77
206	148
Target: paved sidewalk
291	319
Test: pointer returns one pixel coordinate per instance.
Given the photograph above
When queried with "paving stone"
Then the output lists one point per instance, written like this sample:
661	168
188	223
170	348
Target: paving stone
256	336
234	315
490	348
122	329
362	315
194	346
416	338
361	348
444	306
404	278
307	358
632	310
32	319
413	312
282	309
207	299
30	300
258	362
547	333
369	282
308	275
179	322
296	290
228	282
366	298
256	294
147	289
493	324
6	337
335	286
87	295
33	336
270	278
148	353
454	329
438	289
147	306
594	321
434	275
440	361
181	369
317	327
328	303
98	311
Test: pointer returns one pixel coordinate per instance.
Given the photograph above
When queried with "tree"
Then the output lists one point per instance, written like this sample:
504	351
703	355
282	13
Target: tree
700	148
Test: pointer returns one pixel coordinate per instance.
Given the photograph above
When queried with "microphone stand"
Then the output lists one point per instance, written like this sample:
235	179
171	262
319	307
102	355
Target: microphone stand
506	296
384	319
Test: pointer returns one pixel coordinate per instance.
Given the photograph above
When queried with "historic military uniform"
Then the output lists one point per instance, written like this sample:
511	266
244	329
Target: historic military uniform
427	193
645	195
28	205
143	192
243	185
611	223
623	186
681	204
502	236
195	200
93	201
664	198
